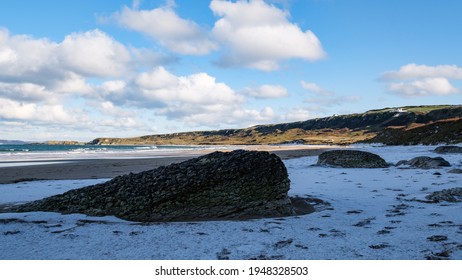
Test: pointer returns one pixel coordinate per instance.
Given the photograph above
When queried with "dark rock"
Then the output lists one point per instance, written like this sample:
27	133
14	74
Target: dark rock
455	171
448	150
235	185
351	159
437	238
302	206
379	246
425	162
449	195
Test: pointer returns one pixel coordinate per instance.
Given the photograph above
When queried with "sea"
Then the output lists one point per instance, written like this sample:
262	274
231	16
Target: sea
42	152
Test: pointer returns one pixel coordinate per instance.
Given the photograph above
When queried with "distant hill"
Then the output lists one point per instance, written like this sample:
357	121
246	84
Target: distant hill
394	126
12	142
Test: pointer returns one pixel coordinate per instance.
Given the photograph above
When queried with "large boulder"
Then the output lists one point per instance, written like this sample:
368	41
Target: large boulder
425	162
449	150
351	159
234	185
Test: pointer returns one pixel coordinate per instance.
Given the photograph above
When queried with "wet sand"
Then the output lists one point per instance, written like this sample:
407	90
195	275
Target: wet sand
109	168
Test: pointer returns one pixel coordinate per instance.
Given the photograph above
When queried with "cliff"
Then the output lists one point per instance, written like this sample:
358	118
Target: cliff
385	125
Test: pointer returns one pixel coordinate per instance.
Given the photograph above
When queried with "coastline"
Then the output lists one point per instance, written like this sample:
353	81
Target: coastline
97	168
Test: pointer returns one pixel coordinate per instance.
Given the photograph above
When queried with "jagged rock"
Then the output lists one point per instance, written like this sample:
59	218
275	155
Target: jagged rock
449	195
351	159
425	162
448	150
234	185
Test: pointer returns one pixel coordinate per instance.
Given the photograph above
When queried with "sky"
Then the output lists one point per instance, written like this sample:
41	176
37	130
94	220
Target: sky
78	70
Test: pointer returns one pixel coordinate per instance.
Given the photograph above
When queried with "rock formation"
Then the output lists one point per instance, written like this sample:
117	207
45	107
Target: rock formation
351	159
449	150
234	185
425	162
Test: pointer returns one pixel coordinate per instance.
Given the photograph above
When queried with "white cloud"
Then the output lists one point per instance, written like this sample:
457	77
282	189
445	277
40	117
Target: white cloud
35	113
24	91
159	85
260	35
94	53
25	59
414	71
164	25
197	100
423	87
315	88
414	80
266	92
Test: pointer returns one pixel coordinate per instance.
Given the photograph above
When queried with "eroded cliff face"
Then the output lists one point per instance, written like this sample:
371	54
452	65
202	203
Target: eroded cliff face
371	126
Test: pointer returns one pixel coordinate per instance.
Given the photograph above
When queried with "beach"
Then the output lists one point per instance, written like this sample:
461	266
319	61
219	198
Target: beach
110	165
361	214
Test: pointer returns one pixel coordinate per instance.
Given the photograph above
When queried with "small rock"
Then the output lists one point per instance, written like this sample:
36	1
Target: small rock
437	238
455	171
425	162
224	254
364	222
448	150
11	232
282	244
379	246
351	159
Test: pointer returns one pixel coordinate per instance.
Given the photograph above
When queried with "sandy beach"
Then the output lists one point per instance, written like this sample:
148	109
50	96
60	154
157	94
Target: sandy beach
65	169
361	214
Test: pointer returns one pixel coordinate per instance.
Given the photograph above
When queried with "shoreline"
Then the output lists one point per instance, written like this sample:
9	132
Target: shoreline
99	168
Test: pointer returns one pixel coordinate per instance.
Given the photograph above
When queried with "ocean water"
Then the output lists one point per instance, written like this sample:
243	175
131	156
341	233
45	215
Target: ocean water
43	152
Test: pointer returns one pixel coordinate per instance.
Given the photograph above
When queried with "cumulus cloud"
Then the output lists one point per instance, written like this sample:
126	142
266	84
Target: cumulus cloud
35	113
423	87
46	83
165	26
266	92
260	35
159	85
93	53
414	80
196	100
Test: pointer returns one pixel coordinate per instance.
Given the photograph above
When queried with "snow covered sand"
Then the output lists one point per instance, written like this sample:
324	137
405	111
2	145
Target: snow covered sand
370	214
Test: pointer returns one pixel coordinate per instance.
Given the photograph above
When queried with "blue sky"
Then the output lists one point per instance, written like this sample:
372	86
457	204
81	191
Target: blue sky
85	69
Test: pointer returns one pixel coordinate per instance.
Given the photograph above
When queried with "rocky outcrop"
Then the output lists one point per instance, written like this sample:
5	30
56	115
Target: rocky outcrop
351	159
449	195
425	162
448	150
234	185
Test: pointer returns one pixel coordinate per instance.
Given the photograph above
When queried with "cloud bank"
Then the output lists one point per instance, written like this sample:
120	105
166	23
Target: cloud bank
414	80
